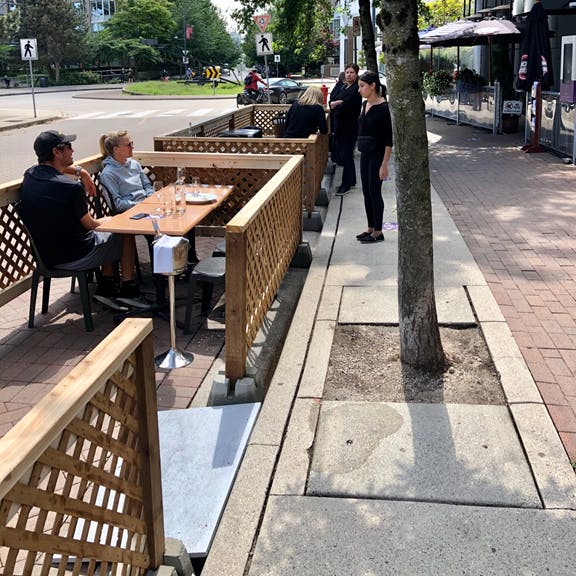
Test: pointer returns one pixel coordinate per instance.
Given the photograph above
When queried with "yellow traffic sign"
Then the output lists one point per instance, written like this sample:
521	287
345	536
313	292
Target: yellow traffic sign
211	72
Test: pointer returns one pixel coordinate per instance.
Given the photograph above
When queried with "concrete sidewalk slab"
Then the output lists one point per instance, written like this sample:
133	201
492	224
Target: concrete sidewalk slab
428	452
327	536
379	305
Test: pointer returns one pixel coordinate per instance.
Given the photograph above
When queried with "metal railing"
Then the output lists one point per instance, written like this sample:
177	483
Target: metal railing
481	108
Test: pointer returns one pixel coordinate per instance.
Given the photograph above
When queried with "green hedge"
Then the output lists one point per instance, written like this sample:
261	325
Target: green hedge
73	78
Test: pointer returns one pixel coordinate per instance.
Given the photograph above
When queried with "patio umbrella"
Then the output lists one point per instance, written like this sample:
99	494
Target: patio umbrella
490	28
448	32
535	62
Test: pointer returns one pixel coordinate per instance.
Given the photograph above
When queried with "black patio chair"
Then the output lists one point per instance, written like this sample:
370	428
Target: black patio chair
42	272
208	272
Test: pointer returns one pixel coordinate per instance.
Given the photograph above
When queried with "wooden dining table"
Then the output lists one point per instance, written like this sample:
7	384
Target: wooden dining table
173	225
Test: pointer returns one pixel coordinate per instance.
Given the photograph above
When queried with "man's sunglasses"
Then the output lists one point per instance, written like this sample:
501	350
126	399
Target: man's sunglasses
64	145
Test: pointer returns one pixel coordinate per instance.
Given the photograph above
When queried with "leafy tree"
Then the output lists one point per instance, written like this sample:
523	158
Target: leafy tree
420	344
134	21
142	19
301	30
9	25
210	42
59	27
440	12
107	49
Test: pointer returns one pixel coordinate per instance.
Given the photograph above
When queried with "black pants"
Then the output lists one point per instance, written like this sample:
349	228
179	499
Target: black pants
372	188
346	157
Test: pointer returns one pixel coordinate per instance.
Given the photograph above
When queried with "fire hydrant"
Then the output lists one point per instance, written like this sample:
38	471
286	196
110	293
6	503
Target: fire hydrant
324	90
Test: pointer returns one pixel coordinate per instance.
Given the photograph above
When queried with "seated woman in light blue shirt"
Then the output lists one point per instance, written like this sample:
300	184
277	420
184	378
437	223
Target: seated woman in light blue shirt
122	176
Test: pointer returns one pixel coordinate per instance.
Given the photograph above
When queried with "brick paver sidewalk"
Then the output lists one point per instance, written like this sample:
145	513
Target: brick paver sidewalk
517	214
33	361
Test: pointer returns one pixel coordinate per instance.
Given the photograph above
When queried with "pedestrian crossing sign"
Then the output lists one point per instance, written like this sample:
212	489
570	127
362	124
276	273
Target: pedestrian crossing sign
264	44
28	48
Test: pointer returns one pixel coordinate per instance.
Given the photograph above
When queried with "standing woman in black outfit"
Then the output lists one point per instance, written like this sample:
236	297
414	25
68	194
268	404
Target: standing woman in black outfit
375	146
346	110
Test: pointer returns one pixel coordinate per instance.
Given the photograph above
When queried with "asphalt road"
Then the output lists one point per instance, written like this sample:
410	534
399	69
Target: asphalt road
90	114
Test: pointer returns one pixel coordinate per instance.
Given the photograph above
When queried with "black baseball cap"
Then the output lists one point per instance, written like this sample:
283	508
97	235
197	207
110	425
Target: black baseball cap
48	140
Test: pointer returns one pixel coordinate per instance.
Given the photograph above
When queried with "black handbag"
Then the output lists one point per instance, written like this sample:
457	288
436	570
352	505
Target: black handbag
367	144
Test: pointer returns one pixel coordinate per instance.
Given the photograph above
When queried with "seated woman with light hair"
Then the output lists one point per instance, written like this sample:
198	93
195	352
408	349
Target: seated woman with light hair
122	176
307	115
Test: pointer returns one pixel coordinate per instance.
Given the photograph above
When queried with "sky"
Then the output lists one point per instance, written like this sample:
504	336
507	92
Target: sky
226	6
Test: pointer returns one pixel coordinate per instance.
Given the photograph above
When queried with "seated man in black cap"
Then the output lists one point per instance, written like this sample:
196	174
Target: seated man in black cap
55	211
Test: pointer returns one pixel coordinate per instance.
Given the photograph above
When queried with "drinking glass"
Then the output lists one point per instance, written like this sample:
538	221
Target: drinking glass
179	200
158	185
195	184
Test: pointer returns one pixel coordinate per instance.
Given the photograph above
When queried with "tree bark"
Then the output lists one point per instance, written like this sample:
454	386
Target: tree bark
420	345
368	39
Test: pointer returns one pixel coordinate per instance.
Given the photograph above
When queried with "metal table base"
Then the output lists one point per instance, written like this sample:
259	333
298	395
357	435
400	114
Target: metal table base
172	358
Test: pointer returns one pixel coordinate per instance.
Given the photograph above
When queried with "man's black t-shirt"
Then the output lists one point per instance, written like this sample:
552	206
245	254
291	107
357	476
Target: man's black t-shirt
52	205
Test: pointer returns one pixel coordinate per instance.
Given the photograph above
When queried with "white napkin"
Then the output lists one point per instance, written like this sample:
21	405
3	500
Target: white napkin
170	254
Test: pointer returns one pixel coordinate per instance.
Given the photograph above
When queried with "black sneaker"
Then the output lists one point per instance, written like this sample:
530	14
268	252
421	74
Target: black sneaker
106	288
370	239
129	290
342	191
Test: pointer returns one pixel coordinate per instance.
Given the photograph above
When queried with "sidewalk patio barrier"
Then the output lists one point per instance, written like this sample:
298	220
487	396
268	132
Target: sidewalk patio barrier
16	257
558	125
263	228
482	108
261	219
203	137
80	486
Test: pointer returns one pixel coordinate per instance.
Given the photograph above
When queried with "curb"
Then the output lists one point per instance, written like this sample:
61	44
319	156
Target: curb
27	123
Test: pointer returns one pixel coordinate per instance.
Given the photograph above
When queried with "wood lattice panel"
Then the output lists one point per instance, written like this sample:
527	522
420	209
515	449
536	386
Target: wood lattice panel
259	254
255	115
247	182
16	260
83	505
314	149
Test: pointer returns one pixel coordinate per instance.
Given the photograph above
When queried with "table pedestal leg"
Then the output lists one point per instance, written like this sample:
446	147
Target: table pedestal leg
173	358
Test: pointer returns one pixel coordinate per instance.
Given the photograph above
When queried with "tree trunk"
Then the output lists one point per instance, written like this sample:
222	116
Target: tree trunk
368	39
420	345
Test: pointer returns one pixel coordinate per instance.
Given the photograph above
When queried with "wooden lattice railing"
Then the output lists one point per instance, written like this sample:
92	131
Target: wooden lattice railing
16	260
203	137
260	243
263	214
80	486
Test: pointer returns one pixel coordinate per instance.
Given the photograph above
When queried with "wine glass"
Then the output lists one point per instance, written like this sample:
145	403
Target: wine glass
158	185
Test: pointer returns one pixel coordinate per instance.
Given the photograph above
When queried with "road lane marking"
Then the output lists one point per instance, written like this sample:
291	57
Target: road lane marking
174	112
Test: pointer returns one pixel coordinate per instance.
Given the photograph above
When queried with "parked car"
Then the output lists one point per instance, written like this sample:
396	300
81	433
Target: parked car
284	90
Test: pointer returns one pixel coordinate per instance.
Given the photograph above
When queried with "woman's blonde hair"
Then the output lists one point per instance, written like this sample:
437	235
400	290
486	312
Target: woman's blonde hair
313	95
108	141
